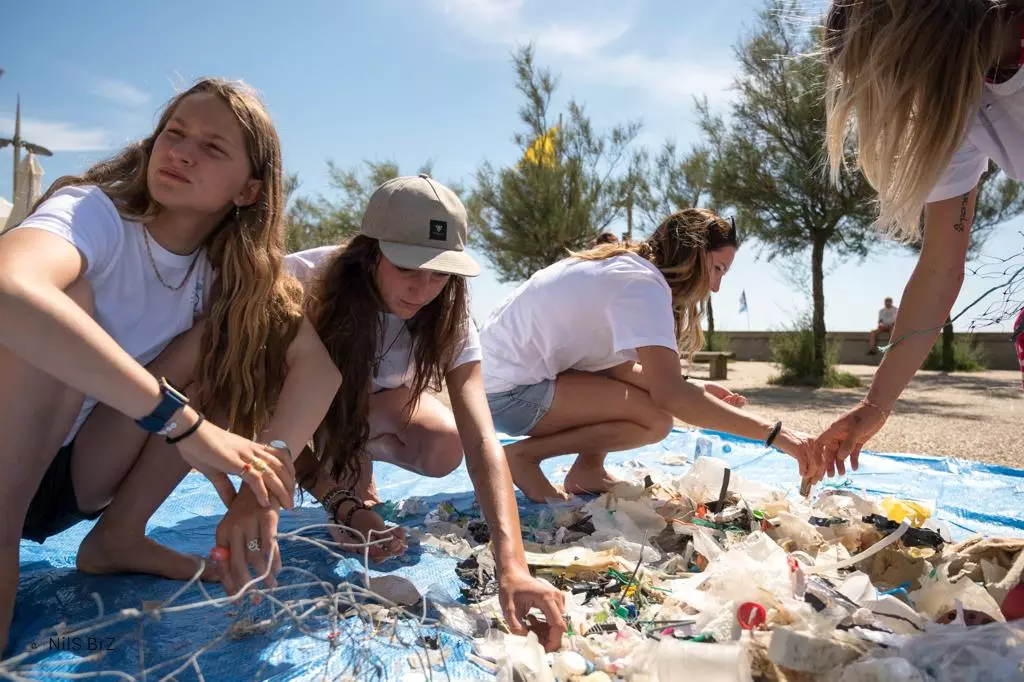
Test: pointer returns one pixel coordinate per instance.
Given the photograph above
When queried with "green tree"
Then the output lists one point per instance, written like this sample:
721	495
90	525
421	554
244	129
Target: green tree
566	188
767	161
319	221
1000	199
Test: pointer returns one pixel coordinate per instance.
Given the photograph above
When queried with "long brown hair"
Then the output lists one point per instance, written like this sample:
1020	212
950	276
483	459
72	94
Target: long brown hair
911	76
345	307
681	249
255	309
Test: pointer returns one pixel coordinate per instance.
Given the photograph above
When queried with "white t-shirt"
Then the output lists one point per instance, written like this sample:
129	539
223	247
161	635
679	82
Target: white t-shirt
887	316
577	314
139	313
396	367
997	133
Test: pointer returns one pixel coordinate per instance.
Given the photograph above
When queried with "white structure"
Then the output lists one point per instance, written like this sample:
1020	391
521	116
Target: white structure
5	210
28	169
27	183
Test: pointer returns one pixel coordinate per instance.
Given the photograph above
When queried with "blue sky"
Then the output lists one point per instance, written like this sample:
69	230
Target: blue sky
413	81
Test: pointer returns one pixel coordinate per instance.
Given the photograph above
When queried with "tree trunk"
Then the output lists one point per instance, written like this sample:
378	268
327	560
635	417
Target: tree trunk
711	326
948	361
818	366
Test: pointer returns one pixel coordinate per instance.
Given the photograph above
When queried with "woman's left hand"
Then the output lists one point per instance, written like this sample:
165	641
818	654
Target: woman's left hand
724	394
518	592
248	531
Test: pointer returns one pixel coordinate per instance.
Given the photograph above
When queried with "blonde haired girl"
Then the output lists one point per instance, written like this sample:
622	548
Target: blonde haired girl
178	235
935	90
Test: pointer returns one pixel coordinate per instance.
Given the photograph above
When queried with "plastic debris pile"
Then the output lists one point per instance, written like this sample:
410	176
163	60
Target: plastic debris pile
707	576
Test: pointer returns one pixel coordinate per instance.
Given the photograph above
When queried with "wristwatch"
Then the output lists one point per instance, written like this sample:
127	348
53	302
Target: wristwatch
171	401
281	445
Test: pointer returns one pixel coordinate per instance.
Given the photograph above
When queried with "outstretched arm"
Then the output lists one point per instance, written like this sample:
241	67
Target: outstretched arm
925	305
492	481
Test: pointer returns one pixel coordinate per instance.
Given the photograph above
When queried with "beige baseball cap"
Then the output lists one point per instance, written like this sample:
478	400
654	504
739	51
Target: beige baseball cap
420	224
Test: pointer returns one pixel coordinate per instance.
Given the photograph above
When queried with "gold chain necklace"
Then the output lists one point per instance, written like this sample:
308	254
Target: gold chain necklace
149	250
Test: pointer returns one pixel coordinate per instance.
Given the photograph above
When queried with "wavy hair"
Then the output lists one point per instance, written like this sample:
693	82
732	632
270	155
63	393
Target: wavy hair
255	309
681	249
345	307
910	76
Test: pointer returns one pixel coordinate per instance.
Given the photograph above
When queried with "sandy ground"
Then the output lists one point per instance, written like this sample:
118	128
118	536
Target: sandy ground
970	415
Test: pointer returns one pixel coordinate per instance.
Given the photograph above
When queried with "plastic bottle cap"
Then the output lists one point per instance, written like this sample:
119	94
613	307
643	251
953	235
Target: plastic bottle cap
750	615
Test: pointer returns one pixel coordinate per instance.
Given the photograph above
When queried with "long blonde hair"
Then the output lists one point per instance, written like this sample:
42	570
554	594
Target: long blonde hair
911	73
255	309
681	249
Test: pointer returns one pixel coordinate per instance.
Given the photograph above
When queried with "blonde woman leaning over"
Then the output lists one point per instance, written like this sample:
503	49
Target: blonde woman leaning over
584	356
935	90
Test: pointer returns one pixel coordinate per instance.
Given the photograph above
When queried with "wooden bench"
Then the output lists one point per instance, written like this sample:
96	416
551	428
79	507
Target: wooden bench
719	361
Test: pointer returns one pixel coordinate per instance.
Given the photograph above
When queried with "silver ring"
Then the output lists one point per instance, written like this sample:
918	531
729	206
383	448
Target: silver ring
253	545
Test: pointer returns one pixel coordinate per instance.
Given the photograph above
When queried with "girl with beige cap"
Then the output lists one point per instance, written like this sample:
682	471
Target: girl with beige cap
391	306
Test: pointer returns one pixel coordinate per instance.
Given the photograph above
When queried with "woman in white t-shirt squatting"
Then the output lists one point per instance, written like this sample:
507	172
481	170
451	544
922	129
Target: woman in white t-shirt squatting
584	356
391	305
178	235
936	91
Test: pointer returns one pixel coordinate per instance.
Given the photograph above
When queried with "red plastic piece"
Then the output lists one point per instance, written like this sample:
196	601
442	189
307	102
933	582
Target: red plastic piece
220	553
750	615
1013	605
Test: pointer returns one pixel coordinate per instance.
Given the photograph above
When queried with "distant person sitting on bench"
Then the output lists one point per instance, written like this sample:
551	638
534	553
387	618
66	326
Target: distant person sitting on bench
886	320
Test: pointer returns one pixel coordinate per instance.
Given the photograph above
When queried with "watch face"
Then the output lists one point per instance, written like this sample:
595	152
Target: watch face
279	444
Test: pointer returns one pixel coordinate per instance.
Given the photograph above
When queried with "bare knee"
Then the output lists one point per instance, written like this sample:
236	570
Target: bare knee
659	426
179	359
440	453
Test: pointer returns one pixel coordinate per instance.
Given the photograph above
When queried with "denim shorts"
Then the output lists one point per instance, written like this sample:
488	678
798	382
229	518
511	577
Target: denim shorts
516	412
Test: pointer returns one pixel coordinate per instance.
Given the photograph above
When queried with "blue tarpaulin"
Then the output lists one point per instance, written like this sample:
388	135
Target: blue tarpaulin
971	496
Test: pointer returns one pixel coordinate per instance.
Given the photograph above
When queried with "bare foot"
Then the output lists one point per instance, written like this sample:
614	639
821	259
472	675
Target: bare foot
588	480
531	480
372	527
105	552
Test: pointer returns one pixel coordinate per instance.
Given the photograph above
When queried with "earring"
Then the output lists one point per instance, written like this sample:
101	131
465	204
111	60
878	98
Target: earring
238	213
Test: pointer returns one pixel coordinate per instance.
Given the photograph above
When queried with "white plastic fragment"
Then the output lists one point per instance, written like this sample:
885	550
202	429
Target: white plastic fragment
681	660
568	664
869	552
881	670
806	653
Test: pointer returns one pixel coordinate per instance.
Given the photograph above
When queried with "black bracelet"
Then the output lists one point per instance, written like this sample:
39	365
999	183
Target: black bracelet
774	434
192	429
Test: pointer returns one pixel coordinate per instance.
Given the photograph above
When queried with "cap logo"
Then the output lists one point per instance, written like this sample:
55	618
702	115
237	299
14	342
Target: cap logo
439	230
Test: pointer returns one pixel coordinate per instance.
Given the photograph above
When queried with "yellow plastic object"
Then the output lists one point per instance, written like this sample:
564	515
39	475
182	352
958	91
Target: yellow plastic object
898	510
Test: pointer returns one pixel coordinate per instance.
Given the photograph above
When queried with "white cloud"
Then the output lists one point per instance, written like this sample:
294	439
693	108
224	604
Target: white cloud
670	80
58	136
586	47
118	91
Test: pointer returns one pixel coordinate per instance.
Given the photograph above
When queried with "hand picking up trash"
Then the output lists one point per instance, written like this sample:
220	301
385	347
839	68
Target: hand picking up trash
708	576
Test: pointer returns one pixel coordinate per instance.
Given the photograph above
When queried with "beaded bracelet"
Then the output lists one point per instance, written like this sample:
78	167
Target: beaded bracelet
333	499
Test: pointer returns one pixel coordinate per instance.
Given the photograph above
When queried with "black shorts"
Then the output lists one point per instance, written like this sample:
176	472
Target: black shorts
54	508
